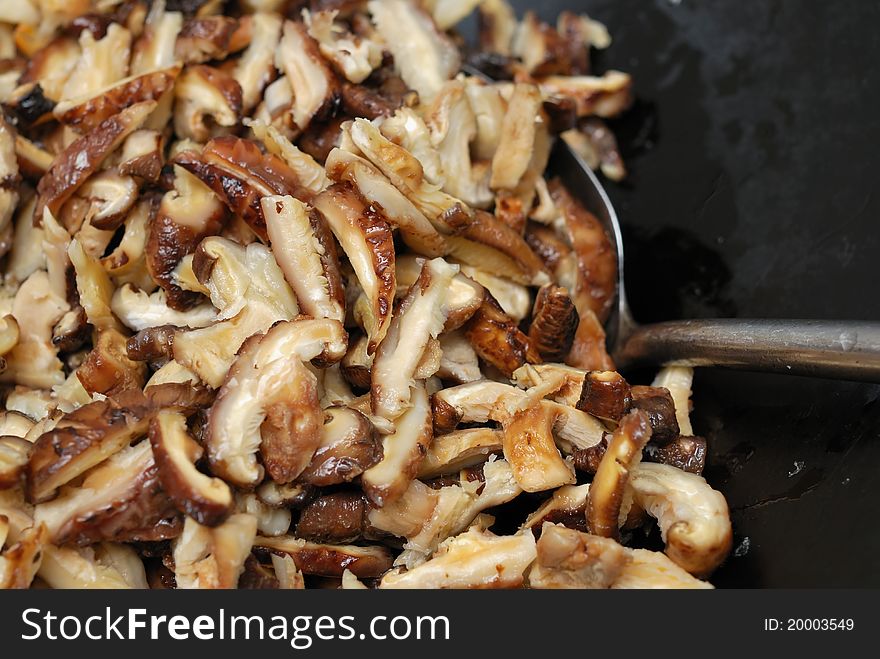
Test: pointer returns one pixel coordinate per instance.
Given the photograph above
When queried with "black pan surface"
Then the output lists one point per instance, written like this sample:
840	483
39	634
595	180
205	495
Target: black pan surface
754	152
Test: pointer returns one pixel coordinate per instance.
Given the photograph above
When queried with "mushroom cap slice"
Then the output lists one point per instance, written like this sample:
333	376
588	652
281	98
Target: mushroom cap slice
571	559
255	69
694	519
213	557
605	96
349	446
205	499
498	340
14	454
450	453
517	138
554	323
20	562
329	560
531	451
654	569
208	101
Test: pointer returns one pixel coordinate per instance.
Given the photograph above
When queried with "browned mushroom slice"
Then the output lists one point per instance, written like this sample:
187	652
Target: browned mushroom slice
14	454
205	499
606	96
357	364
540	47
571	559
315	88
607	395
33	161
349	446
311	175
554	322
366	238
498	340
530	449
256	67
693	518
339	517
80	160
567	506
415	229
153	344
475	402
207	103
143	155
605	507
658	404
463	298
330	560
213	557
492	232
588	460
678	380
306	253
475	559
427	57
116	501
420	318
402	451
450	453
653	569
517	137
85	114
108	197
458	360
102	62
107	368
205	38
269	402
20	562
593	141
685	453
354	56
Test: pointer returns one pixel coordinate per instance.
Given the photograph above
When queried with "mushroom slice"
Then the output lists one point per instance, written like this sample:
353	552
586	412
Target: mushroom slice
406	174
463	298
14	454
607	395
659	405
685	453
306	253
567	506
606	507
255	68
94	286
357	363
310	174
291	495
271	520
81	568
33	161
349	446
498	340
678	380
531	451
207	102
488	230
367	241
459	449
79	161
517	139
561	383
154	48
102	62
205	38
605	96
20	562
214	558
407	128
9	333
109	196
338	517
514	298
554	323
14	424
142	155
497	25
475	559
354	56
9	177
415	229
693	518
315	88
207	500
269	401
85	114
475	402
402	451
571	559
653	569
427	58
329	560
107	368
119	500
139	311
594	142
458	361
420	318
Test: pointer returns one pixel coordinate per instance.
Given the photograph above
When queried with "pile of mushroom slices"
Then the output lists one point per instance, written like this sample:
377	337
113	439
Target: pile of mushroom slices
287	301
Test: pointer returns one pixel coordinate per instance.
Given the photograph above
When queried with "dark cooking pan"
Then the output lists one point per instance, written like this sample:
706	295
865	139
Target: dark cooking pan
753	158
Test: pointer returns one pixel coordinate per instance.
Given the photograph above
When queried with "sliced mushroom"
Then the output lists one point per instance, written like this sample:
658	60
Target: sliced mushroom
306	253
154	48
269	401
339	517
82	567
407	128
107	368
402	451
20	562
594	142
677	380
530	449
101	63
420	318
14	424
14	454
605	96
139	311
607	395
9	177
458	360
517	137
475	402
367	241
554	323
357	364
354	56
94	286
685	453
207	500
291	495
208	102
540	47
256	67
80	160
213	557
571	559
85	113
498	340
559	382
349	446
106	199
309	173
33	161
658	404
609	502
459	449
515	299
693	518
51	66
497	24
475	559
566	506
329	560
271	520
205	38
653	569
488	230
142	155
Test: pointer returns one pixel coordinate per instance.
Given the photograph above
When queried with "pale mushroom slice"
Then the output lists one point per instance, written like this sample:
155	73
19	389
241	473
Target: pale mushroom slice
269	402
304	249
419	318
475	559
139	311
475	402
207	500
255	69
14	424
427	57
497	25
83	568
458	361
315	88
402	451
517	139
460	449
654	569
610	500
463	299
693	518
415	229
563	384
604	96
530	449
366	238
14	454
9	177
349	446
513	298
213	558
354	56
207	103
101	62
572	559
407	128
678	380
271	520
310	174
94	286
329	560
20	562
